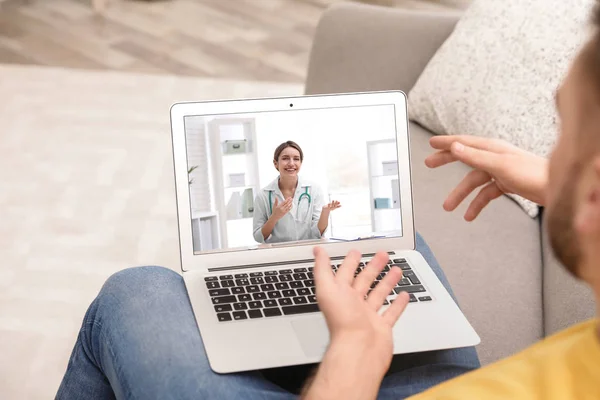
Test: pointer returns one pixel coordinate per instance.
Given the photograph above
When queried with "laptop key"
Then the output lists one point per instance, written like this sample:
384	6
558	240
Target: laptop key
414	279
257	281
255	314
218	292
410	289
285	278
244	297
303	292
285	301
413	299
312	298
272	312
241	275
282	286
236	290
295	285
300	270
255	304
269	273
301	309
300	277
224	317
271	279
226	277
310	269
309	283
267	287
237	315
253	274
227	283
274	295
285	272
242	282
224	300
240	306
211	278
252	289
310	275
403	267
270	303
259	296
313	290
403	282
399	261
425	298
300	300
223	307
289	293
213	285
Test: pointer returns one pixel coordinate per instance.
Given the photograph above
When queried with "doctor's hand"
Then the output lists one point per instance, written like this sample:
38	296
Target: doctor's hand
500	166
357	329
334	205
279	210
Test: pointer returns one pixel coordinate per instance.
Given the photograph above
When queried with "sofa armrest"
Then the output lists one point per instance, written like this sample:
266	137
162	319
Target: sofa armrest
361	47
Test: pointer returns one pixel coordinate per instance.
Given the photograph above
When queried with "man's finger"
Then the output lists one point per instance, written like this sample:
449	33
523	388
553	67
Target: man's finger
475	158
383	289
470	182
443	142
439	158
365	279
490	192
346	271
394	312
322	270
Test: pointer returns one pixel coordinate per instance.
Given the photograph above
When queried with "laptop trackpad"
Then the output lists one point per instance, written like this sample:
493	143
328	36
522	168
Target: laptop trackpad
313	335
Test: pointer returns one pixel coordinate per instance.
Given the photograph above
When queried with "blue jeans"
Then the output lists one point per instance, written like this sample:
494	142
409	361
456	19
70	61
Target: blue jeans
139	340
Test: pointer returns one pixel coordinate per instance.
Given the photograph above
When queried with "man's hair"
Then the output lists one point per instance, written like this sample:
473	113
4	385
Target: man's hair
596	46
284	146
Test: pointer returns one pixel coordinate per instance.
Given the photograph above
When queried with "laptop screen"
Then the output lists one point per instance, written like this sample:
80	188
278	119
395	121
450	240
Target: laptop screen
291	178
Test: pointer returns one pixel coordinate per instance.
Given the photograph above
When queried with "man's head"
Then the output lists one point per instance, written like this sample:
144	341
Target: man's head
573	198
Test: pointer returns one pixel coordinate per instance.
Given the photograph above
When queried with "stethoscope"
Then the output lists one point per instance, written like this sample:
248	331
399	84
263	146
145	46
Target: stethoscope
305	195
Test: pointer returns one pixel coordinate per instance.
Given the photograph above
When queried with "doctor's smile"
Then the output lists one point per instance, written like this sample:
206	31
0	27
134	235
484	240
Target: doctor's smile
290	208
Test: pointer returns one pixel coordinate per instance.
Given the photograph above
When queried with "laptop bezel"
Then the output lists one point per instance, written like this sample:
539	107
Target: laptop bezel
205	261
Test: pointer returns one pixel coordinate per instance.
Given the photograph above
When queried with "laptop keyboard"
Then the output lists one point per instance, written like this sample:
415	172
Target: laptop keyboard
289	291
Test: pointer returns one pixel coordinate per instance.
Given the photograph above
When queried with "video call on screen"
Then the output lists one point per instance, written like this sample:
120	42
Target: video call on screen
338	182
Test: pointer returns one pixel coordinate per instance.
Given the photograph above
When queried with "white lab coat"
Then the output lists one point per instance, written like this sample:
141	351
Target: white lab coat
300	223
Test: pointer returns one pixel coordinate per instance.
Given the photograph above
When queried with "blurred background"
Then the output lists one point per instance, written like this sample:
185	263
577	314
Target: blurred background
267	40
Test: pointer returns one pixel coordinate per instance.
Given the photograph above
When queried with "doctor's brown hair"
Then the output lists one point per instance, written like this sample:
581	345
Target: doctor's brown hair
284	146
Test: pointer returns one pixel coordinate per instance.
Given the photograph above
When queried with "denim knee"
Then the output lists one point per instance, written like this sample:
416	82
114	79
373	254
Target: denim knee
140	282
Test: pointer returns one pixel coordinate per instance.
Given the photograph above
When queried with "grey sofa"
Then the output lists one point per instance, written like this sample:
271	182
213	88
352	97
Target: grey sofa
500	266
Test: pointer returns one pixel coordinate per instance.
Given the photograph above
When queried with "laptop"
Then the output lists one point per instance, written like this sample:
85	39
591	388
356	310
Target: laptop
252	289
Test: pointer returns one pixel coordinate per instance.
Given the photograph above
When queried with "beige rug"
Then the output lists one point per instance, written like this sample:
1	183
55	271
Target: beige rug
86	189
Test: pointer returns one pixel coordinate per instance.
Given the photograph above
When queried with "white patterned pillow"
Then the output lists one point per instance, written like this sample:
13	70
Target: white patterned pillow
496	75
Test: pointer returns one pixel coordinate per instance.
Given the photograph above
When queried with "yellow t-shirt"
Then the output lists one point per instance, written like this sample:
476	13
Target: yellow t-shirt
563	366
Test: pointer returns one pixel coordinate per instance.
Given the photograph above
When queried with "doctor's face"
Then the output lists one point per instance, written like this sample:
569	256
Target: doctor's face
289	162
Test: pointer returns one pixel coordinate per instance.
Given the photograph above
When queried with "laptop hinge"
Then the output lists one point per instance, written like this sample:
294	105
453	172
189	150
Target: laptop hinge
282	263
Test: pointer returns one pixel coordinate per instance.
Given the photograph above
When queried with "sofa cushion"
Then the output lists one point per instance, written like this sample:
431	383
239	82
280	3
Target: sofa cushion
493	263
567	301
497	73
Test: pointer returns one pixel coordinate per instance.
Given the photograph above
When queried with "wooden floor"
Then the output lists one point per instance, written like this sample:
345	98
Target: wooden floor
266	40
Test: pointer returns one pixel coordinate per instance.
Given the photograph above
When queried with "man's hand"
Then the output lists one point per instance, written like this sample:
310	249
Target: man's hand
361	345
500	166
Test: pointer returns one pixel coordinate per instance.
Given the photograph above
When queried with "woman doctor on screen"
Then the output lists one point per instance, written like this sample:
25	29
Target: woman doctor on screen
290	208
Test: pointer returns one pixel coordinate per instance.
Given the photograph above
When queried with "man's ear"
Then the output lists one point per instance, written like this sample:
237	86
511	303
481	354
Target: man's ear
587	216
275	165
